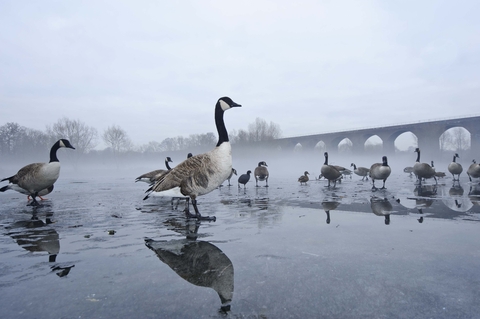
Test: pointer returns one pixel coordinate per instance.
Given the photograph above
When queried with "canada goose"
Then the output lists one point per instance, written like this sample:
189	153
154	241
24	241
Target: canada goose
261	173
304	178
380	171
438	174
244	178
346	172
455	168
330	172
17	188
149	177
202	173
234	171
36	177
423	170
408	170
360	171
473	170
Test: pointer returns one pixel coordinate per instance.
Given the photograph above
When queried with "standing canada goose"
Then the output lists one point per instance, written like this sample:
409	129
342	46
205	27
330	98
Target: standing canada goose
202	173
473	170
244	178
437	174
304	178
330	172
234	171
408	170
261	173
455	168
360	171
149	177
380	171
17	188
423	170
35	178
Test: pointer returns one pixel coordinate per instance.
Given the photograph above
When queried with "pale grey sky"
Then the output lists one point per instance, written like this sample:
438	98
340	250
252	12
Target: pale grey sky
156	68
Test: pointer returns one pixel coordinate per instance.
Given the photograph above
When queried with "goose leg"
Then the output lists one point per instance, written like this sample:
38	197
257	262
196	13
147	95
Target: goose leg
266	182
198	215
34	200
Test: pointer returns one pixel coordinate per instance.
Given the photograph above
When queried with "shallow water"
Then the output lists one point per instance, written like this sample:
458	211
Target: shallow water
271	251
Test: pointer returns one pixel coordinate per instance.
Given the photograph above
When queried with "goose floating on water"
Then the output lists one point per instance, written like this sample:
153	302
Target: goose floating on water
202	173
37	178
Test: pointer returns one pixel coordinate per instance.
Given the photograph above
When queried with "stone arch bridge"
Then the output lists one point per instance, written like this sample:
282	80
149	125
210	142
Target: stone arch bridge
427	133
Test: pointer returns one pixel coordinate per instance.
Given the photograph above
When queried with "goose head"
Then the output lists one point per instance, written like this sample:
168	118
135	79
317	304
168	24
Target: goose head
65	143
262	164
225	103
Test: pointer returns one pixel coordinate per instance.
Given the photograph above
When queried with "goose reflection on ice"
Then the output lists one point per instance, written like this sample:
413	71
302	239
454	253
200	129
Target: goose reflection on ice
381	207
36	236
198	262
455	200
329	205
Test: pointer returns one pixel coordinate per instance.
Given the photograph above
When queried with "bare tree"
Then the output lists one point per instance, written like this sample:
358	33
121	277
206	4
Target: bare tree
460	139
260	131
11	135
117	139
82	137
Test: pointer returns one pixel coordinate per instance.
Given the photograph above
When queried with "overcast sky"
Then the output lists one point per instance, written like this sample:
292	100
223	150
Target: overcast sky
156	68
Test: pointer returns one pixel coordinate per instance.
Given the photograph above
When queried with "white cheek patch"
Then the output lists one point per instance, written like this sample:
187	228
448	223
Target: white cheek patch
61	144
224	105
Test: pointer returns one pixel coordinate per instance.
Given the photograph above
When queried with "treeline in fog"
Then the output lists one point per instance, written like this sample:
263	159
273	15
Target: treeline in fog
19	142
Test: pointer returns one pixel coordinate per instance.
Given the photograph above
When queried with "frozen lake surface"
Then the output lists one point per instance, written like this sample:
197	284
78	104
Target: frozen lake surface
95	249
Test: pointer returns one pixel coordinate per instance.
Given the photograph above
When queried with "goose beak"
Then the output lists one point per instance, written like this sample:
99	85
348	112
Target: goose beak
235	105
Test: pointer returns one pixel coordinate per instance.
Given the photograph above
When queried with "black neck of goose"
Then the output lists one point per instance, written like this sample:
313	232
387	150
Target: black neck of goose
384	162
354	166
53	152
418	156
166	164
454	158
221	129
326	160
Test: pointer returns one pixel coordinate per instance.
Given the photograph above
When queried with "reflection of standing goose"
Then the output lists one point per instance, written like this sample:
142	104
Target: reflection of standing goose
455	168
381	207
198	262
328	206
380	171
34	236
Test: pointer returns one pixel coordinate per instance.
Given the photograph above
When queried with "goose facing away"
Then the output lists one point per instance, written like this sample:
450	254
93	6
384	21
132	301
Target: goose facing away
380	171
423	170
244	178
474	170
330	172
202	173
261	173
35	178
304	178
149	177
360	171
455	168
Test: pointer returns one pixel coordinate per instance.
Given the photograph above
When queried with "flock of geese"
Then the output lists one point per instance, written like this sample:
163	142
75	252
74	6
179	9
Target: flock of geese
381	171
200	174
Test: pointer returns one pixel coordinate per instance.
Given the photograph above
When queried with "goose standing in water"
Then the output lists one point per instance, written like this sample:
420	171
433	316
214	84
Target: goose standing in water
380	171
202	173
149	177
304	178
261	173
17	188
455	168
473	170
360	171
330	172
423	170
244	178
38	177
